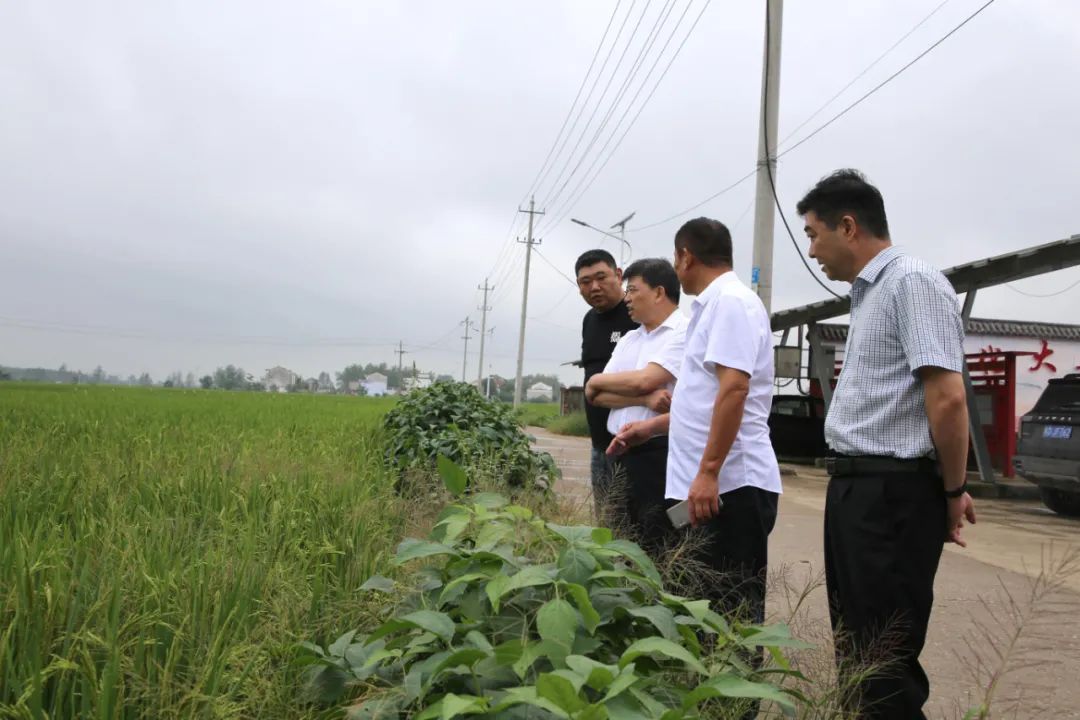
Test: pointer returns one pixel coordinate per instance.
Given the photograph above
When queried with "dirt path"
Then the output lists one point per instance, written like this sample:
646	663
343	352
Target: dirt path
1006	553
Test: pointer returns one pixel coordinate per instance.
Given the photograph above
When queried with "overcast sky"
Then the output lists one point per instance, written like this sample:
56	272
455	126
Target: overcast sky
189	184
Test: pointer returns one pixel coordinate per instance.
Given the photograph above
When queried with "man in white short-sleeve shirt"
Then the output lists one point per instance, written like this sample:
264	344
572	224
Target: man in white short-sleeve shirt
636	384
720	458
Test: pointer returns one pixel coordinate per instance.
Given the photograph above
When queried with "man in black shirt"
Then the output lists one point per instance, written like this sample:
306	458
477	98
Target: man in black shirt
600	282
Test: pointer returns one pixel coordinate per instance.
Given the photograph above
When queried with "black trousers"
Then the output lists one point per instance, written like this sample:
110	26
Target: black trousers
638	495
883	539
733	550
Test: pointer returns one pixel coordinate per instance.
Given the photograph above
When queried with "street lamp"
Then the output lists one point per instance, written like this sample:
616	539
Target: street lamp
621	237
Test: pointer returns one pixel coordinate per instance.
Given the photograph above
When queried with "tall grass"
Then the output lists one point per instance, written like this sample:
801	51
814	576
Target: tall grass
161	550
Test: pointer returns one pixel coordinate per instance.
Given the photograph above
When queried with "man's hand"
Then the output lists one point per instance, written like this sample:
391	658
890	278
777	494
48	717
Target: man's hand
659	401
959	509
591	391
703	498
629	435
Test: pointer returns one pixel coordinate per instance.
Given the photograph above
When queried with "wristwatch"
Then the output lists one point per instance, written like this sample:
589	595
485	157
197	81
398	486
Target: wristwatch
952	494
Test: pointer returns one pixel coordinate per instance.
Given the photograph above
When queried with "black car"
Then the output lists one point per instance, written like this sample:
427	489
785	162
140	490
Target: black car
1048	453
797	427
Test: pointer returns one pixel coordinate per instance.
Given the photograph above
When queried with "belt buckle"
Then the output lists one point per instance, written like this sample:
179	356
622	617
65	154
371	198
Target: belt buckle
830	465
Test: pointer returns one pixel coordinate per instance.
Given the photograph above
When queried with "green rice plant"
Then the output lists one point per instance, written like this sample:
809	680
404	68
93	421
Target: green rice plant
573	424
161	551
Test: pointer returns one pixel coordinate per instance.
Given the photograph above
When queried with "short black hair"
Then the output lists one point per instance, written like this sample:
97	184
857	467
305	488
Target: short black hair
591	257
657	272
708	240
847	192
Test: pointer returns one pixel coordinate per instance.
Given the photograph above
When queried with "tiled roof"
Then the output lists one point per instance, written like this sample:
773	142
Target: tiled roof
833	332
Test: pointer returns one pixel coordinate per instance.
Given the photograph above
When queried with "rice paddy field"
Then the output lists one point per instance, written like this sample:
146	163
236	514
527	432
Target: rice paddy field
162	551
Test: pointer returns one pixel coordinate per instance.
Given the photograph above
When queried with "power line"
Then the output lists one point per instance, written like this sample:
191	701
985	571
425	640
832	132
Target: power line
570	112
581	109
1041	295
555	267
581	193
833	119
889	79
865	70
635	67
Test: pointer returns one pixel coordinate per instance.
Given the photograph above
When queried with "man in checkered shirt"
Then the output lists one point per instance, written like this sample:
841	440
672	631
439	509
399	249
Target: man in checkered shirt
897	426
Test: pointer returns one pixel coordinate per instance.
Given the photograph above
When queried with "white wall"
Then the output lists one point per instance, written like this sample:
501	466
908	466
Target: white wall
1065	358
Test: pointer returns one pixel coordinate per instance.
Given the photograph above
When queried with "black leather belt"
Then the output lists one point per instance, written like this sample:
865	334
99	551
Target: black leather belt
877	465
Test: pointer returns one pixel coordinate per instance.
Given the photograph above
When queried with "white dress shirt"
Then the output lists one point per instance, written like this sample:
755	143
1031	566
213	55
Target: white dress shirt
728	327
637	348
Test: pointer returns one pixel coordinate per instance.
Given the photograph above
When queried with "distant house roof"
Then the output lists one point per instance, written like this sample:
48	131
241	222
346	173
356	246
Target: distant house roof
540	386
833	332
375	378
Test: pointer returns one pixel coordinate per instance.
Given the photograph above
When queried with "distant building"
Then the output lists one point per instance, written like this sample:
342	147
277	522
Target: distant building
539	391
375	385
279	379
419	382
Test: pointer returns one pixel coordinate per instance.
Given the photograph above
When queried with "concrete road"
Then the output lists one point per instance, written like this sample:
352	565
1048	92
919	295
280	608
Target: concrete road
983	594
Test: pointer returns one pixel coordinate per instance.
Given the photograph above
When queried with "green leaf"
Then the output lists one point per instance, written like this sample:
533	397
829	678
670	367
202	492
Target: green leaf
496	588
531	652
778	635
627	677
728	685
380	707
453	476
589	616
557	621
597	675
413	549
491	501
325	684
380	583
635	553
449	529
559	690
662	619
601	536
576	565
528	696
337	648
455	705
529	576
660	646
573	534
435	622
466	656
461	580
593	712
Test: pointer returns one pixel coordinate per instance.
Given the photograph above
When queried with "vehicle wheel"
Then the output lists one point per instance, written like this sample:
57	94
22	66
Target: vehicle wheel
1062	502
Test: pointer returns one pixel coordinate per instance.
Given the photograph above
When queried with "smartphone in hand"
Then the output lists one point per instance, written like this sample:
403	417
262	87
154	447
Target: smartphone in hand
679	514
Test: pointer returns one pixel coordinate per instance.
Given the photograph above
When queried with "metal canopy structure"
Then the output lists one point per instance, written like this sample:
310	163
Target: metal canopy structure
966	279
976	275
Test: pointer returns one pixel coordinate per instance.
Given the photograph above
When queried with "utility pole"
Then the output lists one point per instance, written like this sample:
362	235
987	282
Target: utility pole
764	204
465	359
483	329
529	242
401	353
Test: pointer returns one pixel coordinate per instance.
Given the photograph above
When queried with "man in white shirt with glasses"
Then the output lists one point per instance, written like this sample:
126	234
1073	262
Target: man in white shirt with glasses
637	384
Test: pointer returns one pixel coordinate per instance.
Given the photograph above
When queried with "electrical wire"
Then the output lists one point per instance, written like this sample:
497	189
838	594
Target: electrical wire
580	194
581	109
544	166
768	156
1041	295
635	68
821	127
889	79
555	267
865	70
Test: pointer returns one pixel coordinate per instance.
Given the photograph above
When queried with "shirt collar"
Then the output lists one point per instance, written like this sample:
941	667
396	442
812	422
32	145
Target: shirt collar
673	321
714	287
878	263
